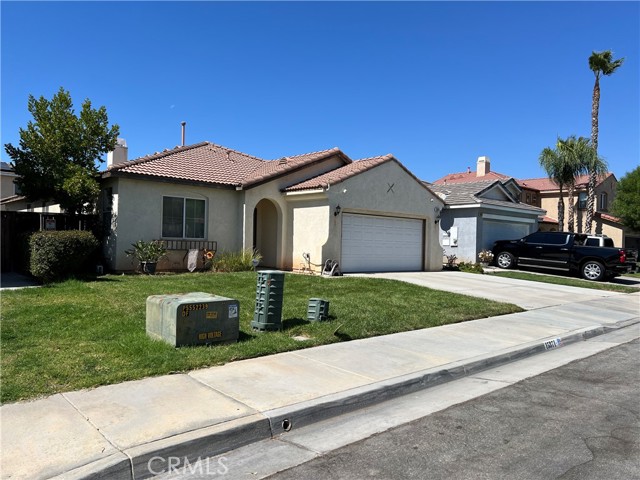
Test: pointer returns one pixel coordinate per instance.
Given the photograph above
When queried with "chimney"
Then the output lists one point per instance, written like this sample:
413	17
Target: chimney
119	154
183	131
484	166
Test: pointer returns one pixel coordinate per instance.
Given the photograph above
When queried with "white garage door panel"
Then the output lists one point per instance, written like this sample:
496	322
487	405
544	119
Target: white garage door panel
377	244
493	231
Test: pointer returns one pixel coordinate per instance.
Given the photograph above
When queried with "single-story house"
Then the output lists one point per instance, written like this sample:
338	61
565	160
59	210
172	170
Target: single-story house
476	214
369	215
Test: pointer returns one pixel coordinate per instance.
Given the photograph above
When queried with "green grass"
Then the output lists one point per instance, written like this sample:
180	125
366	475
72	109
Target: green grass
572	282
79	334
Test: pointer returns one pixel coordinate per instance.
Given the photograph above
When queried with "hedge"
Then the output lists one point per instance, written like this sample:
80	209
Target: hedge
60	254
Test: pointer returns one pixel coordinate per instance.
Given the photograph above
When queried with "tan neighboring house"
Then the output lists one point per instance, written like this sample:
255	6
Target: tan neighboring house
604	223
369	215
12	201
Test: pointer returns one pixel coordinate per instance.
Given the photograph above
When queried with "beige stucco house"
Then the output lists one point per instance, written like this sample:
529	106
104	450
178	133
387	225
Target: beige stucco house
369	215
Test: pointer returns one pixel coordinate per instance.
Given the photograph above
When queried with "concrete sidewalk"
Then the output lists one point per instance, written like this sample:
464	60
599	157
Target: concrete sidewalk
116	431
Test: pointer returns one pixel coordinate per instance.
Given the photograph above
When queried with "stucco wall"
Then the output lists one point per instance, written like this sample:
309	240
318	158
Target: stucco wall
549	202
385	190
138	216
310	232
7	188
466	223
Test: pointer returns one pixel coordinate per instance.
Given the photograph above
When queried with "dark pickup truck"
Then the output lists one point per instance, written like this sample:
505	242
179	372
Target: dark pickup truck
565	251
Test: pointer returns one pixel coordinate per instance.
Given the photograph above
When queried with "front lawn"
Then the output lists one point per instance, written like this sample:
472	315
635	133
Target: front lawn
572	282
76	334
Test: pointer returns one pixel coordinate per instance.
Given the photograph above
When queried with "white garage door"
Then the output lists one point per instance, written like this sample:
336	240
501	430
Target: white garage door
493	231
381	244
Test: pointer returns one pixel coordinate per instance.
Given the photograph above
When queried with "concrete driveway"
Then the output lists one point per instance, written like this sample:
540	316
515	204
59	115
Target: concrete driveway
526	294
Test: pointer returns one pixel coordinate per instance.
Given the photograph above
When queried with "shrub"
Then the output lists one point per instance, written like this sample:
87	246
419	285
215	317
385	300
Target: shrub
60	254
470	267
241	261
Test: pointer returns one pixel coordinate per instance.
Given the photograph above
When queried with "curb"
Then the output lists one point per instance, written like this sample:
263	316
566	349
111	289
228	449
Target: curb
189	447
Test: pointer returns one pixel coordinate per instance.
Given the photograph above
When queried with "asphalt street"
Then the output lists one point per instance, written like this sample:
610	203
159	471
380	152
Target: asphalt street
579	421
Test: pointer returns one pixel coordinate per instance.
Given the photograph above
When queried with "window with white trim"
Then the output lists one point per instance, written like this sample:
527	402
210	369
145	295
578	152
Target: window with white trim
183	217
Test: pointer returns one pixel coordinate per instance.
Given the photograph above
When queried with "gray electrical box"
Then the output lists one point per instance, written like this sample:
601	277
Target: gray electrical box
318	310
268	312
193	319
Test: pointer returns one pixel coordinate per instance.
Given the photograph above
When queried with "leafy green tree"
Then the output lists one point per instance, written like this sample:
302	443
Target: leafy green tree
627	202
57	154
600	63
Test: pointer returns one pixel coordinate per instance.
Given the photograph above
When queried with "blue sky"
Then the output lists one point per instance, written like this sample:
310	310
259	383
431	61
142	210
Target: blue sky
436	84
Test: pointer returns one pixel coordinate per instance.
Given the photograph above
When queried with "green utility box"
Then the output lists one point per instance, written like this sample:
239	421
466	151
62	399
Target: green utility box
318	310
268	313
193	319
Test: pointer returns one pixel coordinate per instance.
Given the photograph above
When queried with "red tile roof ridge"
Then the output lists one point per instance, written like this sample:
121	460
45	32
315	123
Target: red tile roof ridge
178	149
342	173
155	156
231	150
333	149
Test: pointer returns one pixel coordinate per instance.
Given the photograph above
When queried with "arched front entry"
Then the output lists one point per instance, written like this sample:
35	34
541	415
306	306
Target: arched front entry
265	232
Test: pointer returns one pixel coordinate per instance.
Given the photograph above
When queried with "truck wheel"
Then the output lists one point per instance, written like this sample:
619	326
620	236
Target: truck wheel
593	270
505	260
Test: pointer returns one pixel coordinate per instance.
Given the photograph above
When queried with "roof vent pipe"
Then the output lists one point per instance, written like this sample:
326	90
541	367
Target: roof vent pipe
183	131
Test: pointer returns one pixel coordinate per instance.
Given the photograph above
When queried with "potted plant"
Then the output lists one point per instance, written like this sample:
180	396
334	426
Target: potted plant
485	257
148	254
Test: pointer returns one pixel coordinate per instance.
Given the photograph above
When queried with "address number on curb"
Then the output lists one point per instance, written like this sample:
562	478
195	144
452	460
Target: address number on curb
552	344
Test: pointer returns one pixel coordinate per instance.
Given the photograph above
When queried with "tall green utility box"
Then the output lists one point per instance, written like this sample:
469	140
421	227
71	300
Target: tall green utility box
268	313
193	319
318	310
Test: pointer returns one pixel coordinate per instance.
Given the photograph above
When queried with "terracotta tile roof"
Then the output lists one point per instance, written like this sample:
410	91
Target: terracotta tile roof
606	216
340	174
274	168
546	219
202	162
468	177
545	184
207	162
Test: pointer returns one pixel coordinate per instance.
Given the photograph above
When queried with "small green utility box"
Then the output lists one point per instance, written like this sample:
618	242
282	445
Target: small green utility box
193	319
318	310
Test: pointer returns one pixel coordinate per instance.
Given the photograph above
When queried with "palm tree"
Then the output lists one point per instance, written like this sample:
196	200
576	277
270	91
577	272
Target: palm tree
601	63
579	158
576	154
597	168
552	160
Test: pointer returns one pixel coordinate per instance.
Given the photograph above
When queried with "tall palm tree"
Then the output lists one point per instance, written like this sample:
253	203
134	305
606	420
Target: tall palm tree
601	63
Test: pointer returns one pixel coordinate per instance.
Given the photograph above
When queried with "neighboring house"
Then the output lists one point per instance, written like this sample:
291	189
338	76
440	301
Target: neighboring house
483	206
476	214
12	201
7	178
369	215
604	222
543	193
